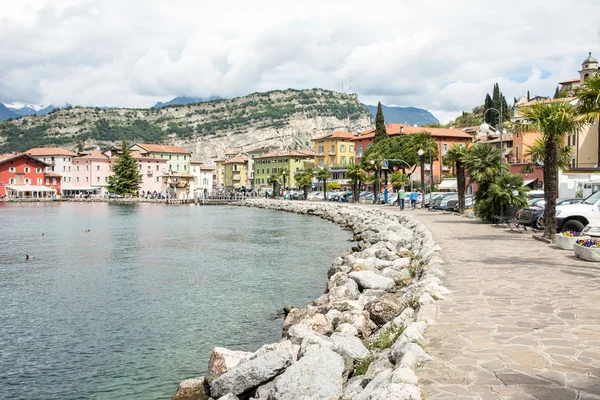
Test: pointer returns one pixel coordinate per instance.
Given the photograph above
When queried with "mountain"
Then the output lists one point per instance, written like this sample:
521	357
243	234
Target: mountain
6	113
24	110
182	100
287	118
404	115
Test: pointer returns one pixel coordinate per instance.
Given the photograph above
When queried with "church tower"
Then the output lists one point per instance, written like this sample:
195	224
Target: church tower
588	67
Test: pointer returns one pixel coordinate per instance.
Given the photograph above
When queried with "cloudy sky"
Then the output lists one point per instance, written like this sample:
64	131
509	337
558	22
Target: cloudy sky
434	54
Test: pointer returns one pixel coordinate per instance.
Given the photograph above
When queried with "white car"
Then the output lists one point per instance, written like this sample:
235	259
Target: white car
315	196
592	230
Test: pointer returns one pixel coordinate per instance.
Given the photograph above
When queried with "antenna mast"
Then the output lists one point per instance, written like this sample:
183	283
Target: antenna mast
350	81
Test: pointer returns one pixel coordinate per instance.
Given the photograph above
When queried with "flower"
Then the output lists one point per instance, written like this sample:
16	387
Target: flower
572	234
588	243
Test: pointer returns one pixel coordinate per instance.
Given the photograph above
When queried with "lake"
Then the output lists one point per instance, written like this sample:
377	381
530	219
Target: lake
135	305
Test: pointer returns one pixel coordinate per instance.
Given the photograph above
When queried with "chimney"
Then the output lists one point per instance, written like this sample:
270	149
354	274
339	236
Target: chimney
401	129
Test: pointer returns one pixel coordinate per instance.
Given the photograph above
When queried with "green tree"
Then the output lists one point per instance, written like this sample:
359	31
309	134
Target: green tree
483	167
304	180
373	163
528	97
126	178
323	174
274	181
285	174
556	93
588	108
333	186
356	176
554	120
486	106
79	147
537	152
380	131
456	157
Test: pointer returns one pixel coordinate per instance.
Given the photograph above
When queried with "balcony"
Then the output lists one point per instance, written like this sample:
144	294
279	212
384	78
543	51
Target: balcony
332	153
320	154
236	177
149	173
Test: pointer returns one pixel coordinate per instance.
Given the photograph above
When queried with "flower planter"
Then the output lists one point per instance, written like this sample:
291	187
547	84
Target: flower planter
567	242
587	253
470	214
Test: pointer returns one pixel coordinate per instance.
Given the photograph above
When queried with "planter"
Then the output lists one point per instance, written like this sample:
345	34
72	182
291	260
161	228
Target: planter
587	253
567	242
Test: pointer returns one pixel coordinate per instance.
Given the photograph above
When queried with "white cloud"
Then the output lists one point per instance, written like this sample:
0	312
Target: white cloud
439	55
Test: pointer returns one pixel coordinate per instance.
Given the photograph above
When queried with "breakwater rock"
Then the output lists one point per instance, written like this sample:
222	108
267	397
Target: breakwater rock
363	338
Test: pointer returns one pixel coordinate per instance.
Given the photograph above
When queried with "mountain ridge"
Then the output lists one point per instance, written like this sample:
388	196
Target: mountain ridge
404	115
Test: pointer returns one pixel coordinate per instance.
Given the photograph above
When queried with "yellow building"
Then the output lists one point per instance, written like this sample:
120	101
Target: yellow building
235	172
334	149
275	162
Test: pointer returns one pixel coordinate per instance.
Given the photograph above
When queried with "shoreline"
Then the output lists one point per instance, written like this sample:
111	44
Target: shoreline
362	338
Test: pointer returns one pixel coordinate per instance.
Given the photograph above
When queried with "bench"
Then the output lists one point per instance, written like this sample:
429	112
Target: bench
509	214
523	219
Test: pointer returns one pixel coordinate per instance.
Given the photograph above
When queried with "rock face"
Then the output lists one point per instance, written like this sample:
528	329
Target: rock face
367	298
317	375
251	374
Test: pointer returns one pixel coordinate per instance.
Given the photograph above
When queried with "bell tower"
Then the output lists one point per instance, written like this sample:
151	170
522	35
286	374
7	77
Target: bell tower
588	67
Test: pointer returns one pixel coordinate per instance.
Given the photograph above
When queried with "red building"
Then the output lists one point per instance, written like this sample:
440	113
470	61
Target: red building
22	176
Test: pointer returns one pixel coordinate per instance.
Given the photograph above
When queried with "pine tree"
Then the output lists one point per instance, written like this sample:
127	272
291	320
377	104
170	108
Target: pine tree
380	131
528	97
497	103
79	147
126	178
556	93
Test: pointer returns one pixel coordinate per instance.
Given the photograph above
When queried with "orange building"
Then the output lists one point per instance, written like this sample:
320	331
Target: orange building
445	138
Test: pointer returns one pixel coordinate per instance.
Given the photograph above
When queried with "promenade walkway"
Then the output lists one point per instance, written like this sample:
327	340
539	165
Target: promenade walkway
522	321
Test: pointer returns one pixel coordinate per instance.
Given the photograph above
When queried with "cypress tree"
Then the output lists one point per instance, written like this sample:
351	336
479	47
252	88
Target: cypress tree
528	97
486	106
380	131
126	178
556	93
497	103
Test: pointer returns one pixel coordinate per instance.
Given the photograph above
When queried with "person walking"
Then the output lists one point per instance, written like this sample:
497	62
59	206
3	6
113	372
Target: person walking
401	196
414	195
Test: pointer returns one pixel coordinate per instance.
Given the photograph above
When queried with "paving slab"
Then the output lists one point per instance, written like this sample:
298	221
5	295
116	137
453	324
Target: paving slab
522	321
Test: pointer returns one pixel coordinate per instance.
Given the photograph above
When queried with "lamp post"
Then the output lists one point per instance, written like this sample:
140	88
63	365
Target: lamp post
421	154
376	183
485	127
430	177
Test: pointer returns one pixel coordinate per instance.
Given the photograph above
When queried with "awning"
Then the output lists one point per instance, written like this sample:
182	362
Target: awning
29	188
81	189
528	182
447	184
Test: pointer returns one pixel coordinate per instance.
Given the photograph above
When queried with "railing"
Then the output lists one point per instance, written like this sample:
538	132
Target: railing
332	153
149	173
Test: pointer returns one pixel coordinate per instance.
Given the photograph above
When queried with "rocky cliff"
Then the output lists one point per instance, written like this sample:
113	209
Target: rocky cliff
288	118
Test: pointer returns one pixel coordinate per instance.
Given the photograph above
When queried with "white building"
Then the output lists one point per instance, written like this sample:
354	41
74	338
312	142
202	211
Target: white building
203	178
60	161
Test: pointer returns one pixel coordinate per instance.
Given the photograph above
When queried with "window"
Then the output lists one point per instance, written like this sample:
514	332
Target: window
274	170
268	170
297	169
351	162
444	148
177	156
343	148
177	167
369	146
97	168
64	159
87	167
333	148
351	148
11	181
321	149
12	169
27	169
87	179
39	181
27	181
297	160
263	171
157	167
157	180
77	179
517	153
343	160
185	167
235	167
77	168
47	181
97	179
321	162
106	179
39	170
170	156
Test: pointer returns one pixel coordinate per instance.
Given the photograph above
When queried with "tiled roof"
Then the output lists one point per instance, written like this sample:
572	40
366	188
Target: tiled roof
8	157
262	149
94	154
532	102
506	137
52	175
570	81
288	153
139	156
236	160
336	135
162	148
399	129
50	151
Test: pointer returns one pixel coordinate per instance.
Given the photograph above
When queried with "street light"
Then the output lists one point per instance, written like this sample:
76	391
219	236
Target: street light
376	183
485	127
421	154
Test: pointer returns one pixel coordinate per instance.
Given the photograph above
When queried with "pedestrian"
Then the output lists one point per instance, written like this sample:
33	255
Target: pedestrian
414	195
401	196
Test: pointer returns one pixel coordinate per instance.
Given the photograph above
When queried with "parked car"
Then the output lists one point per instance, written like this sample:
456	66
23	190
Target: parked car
453	203
592	230
315	196
568	201
430	196
535	194
438	200
574	217
536	202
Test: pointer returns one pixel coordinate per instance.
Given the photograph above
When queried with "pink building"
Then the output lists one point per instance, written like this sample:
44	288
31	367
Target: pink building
150	168
90	172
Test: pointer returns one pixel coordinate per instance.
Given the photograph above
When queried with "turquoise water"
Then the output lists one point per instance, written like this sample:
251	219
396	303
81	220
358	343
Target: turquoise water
131	308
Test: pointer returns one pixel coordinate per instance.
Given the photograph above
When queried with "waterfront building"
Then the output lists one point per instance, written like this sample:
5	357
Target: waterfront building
60	164
91	170
275	162
588	66
203	178
23	176
335	151
235	170
444	137
178	159
219	174
252	154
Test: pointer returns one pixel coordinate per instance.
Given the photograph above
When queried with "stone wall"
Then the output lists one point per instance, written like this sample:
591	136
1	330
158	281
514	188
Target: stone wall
362	339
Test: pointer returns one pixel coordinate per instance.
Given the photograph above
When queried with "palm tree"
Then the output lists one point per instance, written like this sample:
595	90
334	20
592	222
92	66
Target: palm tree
483	166
323	174
304	180
554	120
373	164
589	102
456	157
274	181
356	176
505	190
398	179
285	173
536	153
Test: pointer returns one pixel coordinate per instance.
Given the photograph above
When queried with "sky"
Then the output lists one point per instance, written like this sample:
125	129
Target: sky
440	55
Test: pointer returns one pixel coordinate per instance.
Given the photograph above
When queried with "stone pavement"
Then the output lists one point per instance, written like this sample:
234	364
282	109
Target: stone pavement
522	321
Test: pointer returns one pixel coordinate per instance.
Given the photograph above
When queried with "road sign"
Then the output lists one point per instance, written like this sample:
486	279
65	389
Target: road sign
385	164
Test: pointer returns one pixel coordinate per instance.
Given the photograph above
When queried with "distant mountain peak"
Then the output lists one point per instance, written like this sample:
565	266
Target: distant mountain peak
183	100
404	115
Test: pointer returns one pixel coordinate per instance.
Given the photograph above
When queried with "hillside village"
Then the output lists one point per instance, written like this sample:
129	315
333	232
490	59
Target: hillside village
176	172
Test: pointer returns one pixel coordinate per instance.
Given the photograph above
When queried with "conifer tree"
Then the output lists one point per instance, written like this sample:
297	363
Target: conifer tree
126	178
487	105
556	93
380	131
528	97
